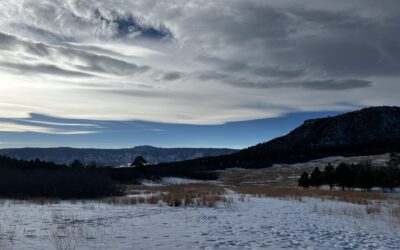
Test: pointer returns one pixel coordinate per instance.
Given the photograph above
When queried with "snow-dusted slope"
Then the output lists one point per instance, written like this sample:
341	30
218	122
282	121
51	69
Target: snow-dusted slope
256	224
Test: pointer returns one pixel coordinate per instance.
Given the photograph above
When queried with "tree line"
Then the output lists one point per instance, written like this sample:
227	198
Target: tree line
349	176
35	178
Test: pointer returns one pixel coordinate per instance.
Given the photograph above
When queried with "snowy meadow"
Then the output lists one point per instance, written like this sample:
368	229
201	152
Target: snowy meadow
205	216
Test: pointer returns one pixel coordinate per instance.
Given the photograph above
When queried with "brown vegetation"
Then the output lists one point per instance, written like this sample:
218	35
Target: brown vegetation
204	195
298	193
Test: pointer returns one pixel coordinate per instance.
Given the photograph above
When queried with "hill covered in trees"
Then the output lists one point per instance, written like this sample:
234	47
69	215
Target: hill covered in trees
373	130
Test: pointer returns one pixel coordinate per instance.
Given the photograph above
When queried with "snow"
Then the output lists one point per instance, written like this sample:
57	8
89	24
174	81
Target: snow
257	223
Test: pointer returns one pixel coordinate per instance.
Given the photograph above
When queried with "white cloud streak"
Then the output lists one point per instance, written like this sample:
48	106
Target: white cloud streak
14	127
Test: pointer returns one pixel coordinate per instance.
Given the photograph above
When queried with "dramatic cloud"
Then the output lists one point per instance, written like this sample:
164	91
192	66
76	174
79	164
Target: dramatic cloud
193	62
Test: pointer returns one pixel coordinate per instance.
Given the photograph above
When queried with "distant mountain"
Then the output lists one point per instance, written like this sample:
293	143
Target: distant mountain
112	157
367	131
358	127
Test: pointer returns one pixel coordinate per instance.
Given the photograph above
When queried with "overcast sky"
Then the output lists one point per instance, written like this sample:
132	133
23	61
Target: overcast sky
73	68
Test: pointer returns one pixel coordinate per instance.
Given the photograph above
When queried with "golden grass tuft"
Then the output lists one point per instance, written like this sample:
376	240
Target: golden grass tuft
373	209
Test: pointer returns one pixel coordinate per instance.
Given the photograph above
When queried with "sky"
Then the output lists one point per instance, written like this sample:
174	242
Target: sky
189	73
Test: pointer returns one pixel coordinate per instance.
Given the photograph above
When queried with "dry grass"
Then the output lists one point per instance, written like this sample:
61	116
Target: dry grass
382	211
70	231
44	201
355	197
201	195
354	212
209	195
394	212
7	237
373	209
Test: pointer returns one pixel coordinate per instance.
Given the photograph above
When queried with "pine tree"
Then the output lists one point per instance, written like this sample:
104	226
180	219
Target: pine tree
304	180
140	161
76	164
316	179
364	177
341	174
329	176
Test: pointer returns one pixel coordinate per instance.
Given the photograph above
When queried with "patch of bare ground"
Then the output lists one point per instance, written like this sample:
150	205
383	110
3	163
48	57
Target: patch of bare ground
286	176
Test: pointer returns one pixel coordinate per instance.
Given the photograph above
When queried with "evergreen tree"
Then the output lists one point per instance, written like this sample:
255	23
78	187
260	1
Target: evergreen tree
329	176
76	164
304	180
364	178
316	177
341	174
394	160
140	161
92	164
387	178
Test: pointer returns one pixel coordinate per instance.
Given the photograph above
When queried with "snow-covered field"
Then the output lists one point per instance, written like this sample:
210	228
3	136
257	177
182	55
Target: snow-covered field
257	223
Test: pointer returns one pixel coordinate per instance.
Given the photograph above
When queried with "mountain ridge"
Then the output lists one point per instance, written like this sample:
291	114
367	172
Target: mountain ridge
111	157
360	128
